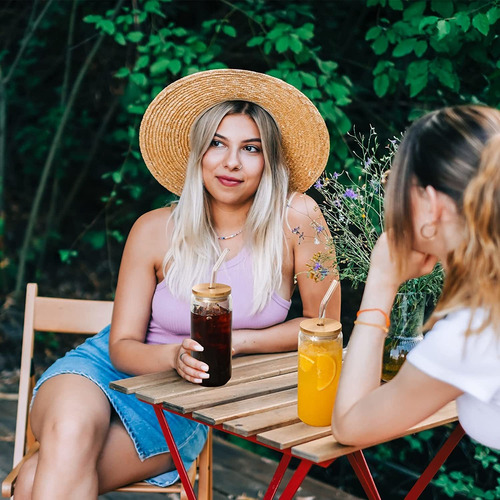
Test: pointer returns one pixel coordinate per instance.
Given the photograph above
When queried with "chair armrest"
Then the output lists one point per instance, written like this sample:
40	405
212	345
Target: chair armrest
9	482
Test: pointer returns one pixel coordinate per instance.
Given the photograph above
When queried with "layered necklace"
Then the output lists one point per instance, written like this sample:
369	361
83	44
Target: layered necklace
231	235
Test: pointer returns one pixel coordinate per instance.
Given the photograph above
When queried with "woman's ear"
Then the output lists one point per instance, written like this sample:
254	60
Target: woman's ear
440	205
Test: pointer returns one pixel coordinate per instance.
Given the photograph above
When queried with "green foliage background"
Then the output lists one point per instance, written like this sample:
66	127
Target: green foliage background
76	76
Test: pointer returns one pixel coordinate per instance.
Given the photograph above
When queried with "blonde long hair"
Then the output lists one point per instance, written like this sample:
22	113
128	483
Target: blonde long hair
194	244
456	150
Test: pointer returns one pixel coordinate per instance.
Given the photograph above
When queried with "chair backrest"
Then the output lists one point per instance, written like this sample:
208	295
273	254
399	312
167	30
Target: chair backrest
47	314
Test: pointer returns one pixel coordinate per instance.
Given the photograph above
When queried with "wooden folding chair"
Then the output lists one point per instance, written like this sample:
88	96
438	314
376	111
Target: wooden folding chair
47	314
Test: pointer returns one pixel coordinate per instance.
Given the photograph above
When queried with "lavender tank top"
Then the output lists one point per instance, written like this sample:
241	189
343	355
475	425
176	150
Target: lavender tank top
170	319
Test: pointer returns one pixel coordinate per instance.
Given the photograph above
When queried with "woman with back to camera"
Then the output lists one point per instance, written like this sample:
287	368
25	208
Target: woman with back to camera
442	203
240	148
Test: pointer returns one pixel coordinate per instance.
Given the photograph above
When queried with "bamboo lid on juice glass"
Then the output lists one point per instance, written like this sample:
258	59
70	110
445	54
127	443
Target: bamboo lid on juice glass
324	327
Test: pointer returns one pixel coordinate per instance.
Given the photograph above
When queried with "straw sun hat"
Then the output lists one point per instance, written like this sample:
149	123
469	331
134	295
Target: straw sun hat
165	127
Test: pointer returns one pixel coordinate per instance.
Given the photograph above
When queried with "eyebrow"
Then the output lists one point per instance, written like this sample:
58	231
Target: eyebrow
254	139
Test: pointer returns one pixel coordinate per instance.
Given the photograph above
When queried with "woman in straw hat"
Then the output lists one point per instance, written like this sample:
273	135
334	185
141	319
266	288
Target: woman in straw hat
443	202
239	148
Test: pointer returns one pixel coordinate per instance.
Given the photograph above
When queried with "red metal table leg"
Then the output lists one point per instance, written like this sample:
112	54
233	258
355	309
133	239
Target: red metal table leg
358	463
296	480
436	463
278	476
174	452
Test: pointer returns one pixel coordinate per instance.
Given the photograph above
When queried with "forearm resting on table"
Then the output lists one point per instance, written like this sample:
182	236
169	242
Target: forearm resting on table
278	338
362	367
137	358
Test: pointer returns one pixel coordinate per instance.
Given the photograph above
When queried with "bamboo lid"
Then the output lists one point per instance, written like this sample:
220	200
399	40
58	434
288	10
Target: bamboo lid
217	291
323	327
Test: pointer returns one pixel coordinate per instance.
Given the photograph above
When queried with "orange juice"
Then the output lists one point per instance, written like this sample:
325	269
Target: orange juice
320	362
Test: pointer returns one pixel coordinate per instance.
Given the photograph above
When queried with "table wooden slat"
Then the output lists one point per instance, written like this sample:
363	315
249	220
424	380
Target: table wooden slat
328	448
228	393
155	394
291	435
143	382
216	415
132	384
270	418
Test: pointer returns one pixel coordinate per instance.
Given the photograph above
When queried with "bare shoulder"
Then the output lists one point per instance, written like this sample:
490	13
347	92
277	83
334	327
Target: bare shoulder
151	228
303	210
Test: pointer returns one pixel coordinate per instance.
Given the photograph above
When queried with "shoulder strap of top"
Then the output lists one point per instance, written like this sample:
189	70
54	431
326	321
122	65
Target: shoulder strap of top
288	204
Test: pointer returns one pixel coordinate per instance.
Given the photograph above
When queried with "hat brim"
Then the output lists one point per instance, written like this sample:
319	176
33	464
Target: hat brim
165	127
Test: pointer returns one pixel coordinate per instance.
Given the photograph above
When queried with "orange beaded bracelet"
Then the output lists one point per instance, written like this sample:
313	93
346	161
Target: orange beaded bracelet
387	320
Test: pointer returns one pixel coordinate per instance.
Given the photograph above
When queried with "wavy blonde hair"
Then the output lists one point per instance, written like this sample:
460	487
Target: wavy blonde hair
194	244
456	150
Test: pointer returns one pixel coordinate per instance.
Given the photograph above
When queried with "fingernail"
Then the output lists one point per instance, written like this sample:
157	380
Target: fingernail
205	375
198	348
197	380
204	368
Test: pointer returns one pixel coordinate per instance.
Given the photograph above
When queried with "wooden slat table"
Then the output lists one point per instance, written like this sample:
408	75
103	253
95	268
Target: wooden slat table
259	404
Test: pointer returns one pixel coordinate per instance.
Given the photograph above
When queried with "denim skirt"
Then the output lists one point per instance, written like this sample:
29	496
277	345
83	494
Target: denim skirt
91	360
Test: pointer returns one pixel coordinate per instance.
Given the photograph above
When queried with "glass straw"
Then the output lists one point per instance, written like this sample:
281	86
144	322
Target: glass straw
216	266
324	302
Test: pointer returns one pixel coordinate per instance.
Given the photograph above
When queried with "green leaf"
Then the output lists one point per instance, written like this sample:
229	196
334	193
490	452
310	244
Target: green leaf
327	67
120	39
139	79
174	66
443	28
106	26
92	19
256	40
67	255
159	67
229	30
278	31
481	23
417	85
443	7
296	45
414	10
420	48
305	32
417	69
381	67
380	45
373	33
493	15
427	21
381	85
404	47
122	72
309	80
142	62
282	44
396	4
117	177
463	20
135	36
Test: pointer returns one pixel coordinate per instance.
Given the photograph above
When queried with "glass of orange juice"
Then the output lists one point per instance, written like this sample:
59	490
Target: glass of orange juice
320	361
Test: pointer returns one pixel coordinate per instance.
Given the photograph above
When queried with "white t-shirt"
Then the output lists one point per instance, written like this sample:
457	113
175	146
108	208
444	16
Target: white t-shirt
470	363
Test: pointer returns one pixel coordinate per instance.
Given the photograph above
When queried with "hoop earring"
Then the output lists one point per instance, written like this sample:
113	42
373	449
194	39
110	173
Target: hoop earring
428	230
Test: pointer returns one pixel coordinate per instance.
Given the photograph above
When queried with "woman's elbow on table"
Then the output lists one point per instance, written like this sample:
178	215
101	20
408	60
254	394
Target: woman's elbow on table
345	433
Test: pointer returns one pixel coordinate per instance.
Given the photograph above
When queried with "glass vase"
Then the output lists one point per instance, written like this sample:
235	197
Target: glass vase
405	332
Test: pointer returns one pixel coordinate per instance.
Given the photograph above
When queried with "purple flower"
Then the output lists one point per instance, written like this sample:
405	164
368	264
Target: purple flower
319	228
349	193
318	184
368	162
336	175
337	202
317	266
